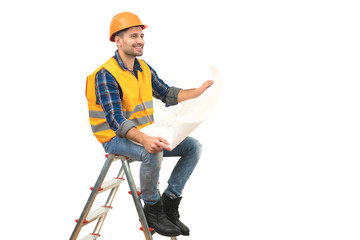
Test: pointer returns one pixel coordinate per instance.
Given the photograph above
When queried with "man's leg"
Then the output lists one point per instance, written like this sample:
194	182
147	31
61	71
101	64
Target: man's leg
149	178
149	169
189	151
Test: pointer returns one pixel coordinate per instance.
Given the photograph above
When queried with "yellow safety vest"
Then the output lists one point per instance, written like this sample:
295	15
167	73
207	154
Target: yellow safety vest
136	101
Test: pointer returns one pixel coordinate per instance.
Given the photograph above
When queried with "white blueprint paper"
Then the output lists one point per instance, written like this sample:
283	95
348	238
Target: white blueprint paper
178	126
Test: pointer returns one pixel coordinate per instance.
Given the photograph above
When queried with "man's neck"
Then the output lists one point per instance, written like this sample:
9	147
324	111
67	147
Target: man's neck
127	60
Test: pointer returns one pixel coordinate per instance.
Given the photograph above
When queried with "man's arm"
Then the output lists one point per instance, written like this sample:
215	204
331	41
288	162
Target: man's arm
172	95
186	94
108	95
162	91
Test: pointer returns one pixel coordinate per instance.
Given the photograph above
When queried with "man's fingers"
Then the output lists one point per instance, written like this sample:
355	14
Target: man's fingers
163	140
207	84
157	144
164	146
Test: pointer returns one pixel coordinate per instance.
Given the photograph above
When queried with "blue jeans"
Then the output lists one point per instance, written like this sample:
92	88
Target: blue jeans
189	151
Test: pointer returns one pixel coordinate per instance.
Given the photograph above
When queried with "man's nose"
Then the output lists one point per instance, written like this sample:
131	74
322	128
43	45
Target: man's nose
140	40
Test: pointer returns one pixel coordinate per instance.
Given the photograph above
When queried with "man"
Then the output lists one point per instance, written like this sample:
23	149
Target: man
120	94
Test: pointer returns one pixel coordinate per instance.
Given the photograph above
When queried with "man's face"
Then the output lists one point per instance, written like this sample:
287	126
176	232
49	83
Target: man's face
132	42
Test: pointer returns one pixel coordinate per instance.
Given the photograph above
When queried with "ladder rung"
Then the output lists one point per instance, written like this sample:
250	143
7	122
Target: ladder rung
97	213
109	184
91	237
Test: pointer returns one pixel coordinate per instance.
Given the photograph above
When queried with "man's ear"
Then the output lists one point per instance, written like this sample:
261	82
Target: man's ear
118	41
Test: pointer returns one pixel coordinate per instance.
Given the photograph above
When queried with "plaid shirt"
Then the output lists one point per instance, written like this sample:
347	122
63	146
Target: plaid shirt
109	95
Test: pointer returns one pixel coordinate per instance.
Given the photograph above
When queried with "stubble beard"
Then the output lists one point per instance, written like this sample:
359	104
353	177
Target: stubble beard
133	52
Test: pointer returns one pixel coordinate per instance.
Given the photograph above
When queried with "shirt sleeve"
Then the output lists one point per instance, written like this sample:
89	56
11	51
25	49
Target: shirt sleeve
168	95
108	95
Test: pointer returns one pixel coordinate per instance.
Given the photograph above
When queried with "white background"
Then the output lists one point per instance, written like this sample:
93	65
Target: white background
280	153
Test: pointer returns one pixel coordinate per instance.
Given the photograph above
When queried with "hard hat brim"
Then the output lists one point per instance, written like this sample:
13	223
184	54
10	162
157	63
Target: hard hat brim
112	36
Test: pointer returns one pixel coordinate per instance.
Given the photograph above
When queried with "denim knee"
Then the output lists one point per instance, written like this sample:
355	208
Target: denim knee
195	147
153	160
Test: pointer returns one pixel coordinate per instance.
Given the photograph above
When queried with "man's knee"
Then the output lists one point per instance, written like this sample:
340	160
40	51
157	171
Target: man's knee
153	160
195	147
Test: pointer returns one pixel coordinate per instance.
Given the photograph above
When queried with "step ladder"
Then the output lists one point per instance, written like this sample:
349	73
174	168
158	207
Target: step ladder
100	213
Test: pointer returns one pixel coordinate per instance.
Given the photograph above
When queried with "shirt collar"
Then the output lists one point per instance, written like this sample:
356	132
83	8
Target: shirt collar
137	66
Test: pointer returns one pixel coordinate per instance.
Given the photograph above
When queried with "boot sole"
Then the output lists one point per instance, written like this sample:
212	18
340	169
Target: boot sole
185	233
164	234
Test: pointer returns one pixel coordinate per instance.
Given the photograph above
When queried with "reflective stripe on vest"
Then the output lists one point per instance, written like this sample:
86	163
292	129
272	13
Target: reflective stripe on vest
100	127
105	126
140	107
136	102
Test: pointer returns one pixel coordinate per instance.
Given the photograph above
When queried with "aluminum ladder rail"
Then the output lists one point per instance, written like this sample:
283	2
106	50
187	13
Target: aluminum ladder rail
100	186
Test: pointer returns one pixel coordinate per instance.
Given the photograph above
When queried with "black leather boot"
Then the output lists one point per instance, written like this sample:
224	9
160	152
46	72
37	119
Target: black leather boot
171	208
157	220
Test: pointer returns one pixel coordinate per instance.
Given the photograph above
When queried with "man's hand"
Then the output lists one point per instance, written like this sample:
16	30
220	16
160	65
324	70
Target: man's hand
155	144
205	86
151	144
186	94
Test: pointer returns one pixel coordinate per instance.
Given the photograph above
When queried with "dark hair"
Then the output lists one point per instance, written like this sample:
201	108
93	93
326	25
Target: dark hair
120	33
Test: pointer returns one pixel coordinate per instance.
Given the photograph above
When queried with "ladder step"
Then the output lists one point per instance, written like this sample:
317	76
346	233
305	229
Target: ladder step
97	213
91	237
116	157
109	184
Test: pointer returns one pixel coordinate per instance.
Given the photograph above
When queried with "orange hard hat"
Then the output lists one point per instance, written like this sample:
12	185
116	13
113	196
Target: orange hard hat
122	21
